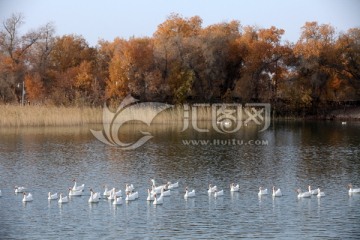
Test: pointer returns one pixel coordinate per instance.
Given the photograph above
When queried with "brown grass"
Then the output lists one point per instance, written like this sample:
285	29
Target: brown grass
16	116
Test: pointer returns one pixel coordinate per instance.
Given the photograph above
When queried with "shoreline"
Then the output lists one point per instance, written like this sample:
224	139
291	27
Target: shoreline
43	116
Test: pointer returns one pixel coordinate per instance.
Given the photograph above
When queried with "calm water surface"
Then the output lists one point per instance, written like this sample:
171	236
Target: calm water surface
322	154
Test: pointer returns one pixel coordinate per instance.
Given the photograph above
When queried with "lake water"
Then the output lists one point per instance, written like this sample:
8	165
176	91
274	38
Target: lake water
291	155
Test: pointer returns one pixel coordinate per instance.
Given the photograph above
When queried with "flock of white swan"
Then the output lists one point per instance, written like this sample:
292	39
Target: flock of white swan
162	190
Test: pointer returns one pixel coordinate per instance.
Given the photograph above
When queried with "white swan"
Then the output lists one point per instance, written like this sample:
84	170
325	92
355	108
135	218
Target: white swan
52	196
111	196
131	196
129	188
189	194
153	182
165	193
118	201
353	190
94	197
63	199
219	193
303	194
262	191
107	192
75	193
150	196
320	194
276	193
78	188
172	185
158	201
117	193
156	190
0	194
96	194
212	189
234	188
313	192
27	198
19	189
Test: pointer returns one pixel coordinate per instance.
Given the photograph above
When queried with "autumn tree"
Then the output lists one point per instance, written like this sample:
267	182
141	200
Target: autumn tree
71	70
347	62
116	81
13	50
221	59
314	51
35	89
175	42
184	62
263	64
37	81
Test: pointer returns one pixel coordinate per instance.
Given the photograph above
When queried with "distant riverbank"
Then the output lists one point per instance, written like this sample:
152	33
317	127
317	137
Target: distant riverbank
38	116
345	114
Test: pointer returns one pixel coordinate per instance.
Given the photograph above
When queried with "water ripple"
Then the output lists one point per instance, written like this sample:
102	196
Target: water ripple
320	155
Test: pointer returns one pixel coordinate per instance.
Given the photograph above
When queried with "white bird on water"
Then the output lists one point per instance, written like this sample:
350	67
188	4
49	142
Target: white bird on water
158	201
262	191
118	201
129	188
219	193
156	189
165	193
75	193
353	190
52	196
114	194
303	194
212	189
27	198
172	185
131	196
189	194
313	192
107	192
63	199
94	197
234	188
19	189
276	193
150	196
320	194
77	188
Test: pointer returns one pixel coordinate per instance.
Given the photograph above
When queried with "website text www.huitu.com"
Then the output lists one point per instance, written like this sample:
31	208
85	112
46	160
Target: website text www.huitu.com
225	142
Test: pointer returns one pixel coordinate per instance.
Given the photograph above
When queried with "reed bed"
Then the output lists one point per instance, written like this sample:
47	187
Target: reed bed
172	115
36	116
16	116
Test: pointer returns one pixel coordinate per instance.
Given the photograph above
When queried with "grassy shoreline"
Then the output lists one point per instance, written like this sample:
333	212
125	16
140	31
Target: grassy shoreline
39	116
43	116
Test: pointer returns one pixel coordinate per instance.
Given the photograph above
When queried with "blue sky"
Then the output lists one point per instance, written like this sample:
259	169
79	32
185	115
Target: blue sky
107	19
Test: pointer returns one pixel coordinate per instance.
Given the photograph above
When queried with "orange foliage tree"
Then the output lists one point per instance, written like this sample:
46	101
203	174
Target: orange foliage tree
184	62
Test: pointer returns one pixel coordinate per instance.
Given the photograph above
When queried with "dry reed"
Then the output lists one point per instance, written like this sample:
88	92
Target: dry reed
16	116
